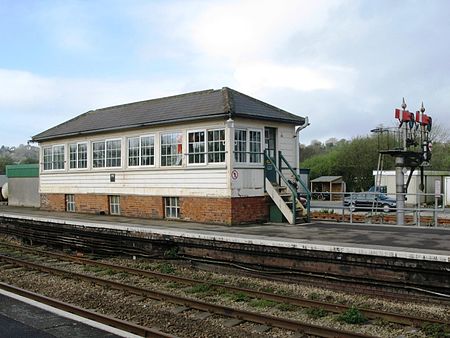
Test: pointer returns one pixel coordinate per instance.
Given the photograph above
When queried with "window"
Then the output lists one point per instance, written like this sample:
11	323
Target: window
48	158
113	153
216	145
70	203
78	155
53	157
196	147
106	154
114	205
247	140
172	207
240	145
171	149
141	151
255	146
98	154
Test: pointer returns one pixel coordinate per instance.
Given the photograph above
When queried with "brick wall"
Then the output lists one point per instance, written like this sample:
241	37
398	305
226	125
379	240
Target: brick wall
142	206
250	210
92	204
206	210
53	202
196	209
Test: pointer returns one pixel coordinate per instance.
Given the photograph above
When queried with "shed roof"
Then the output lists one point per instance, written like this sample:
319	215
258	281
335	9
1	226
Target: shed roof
22	170
325	179
206	104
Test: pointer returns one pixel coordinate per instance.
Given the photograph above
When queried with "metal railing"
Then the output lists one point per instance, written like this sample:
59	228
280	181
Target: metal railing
285	180
281	160
353	207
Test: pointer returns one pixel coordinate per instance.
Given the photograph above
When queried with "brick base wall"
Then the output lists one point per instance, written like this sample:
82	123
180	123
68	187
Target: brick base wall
195	209
53	202
250	210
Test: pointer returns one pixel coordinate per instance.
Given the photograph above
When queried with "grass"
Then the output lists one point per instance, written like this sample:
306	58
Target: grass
237	296
316	313
352	316
165	268
286	307
262	303
436	330
200	288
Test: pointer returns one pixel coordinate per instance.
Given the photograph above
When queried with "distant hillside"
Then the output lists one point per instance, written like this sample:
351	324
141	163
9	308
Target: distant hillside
16	155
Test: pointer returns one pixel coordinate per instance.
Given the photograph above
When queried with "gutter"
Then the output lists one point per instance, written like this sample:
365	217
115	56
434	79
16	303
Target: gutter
297	147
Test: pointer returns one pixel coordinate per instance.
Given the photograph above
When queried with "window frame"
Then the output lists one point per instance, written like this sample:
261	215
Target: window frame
224	152
204	153
52	156
70	203
77	158
105	149
180	154
175	207
249	131
140	165
114	206
240	152
248	156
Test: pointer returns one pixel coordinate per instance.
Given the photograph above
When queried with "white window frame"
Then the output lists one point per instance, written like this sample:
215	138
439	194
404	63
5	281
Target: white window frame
140	137
177	154
205	149
216	152
114	204
246	146
172	207
77	154
105	142
52	163
248	156
70	203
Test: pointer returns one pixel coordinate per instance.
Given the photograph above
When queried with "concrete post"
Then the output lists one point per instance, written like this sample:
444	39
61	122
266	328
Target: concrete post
400	189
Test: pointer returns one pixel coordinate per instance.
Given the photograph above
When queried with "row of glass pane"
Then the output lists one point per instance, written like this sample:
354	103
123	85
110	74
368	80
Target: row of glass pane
141	150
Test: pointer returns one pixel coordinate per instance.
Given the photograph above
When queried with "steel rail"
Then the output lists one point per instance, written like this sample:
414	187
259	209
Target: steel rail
100	318
226	311
302	302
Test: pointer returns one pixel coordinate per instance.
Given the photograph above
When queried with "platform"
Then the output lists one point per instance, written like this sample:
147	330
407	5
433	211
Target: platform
424	243
20	319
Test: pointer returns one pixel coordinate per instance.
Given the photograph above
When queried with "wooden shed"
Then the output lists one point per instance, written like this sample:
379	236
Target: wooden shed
328	187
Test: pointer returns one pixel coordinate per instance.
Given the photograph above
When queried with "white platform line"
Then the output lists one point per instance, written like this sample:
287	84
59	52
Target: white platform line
69	315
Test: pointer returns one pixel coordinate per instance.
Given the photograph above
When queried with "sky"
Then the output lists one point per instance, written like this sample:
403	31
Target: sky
344	64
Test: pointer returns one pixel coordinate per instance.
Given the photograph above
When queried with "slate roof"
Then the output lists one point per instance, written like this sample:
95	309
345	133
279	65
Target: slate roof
201	105
324	179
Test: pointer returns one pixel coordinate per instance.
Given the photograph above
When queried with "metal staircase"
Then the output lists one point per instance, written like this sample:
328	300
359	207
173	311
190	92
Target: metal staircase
284	193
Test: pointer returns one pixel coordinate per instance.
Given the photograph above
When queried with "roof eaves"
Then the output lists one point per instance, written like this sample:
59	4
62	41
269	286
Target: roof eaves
126	127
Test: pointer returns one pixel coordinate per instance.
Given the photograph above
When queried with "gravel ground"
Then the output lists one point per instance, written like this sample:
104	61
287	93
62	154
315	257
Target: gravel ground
161	315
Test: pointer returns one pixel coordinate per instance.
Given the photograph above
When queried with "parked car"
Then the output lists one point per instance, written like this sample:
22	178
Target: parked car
367	201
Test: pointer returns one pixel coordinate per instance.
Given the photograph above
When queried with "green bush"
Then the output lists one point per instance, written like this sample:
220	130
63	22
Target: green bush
352	316
316	313
434	330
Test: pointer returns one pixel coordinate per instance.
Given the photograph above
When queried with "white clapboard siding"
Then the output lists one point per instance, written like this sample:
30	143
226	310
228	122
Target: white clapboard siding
210	182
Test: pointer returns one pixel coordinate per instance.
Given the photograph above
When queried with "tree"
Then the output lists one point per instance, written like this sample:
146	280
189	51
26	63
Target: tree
4	161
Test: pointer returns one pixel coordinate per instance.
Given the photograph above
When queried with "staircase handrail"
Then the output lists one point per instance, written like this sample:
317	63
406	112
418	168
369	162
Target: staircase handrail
291	188
298	179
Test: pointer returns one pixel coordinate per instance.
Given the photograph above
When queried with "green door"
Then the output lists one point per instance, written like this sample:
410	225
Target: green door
270	147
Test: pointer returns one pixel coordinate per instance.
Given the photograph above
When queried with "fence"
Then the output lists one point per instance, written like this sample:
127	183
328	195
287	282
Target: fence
377	208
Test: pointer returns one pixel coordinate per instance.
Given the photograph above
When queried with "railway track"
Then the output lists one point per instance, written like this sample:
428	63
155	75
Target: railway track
301	302
95	316
254	317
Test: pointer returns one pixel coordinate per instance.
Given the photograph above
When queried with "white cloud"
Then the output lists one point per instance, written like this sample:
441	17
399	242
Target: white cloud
258	75
242	30
30	103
